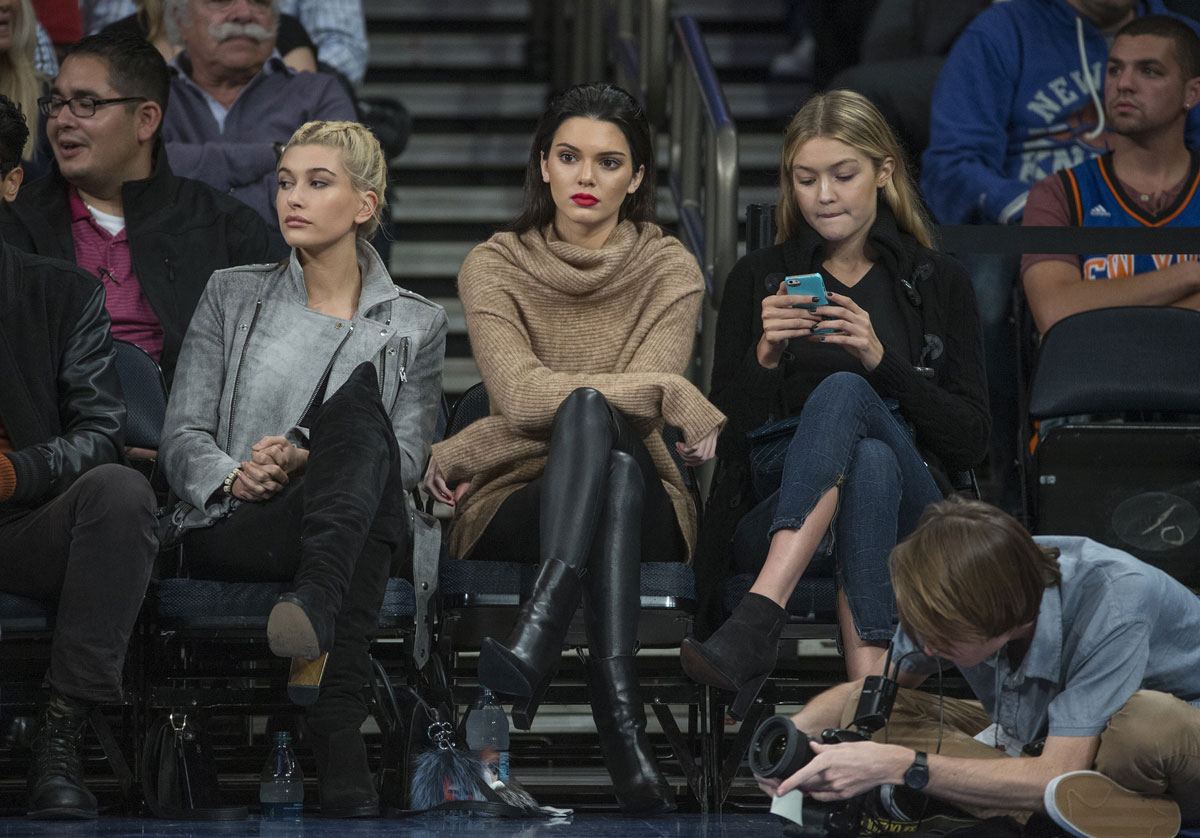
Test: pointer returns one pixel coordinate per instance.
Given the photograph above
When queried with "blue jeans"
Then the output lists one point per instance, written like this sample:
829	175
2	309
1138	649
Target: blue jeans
847	437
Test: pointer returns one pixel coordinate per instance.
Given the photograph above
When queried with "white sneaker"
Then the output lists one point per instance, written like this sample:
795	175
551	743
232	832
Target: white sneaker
1089	805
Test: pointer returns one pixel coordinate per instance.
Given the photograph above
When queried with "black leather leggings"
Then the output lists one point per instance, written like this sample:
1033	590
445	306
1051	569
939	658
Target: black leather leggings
599	505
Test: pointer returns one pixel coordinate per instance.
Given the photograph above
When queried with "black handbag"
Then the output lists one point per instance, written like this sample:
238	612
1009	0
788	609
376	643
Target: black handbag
179	774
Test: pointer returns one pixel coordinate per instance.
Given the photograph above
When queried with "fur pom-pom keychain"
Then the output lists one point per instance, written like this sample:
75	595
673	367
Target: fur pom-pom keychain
445	772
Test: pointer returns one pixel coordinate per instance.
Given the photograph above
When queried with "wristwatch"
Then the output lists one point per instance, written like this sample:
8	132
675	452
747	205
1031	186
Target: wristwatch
917	775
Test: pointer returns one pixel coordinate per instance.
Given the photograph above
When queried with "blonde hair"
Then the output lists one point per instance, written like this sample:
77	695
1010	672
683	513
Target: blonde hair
153	15
969	571
850	118
361	155
19	79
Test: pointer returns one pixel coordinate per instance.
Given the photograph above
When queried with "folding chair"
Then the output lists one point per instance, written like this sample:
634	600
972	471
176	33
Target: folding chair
1116	399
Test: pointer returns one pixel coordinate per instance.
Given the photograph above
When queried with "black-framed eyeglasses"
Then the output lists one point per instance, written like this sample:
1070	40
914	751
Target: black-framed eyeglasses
82	106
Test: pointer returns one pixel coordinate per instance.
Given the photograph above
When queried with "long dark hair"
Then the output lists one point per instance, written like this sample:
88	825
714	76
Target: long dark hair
594	100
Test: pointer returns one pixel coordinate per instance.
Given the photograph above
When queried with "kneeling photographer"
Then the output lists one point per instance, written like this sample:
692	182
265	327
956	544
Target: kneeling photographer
1086	666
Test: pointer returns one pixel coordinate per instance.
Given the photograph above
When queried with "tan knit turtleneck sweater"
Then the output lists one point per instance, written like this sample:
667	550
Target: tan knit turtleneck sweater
547	317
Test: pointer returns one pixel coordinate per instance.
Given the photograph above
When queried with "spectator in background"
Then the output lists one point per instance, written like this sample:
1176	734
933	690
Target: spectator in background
76	529
339	31
1149	179
234	102
336	28
62	21
112	205
903	49
20	79
1013	104
148	21
1017	99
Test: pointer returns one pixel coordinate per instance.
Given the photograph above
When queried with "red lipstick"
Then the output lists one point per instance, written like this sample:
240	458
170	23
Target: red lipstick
584	199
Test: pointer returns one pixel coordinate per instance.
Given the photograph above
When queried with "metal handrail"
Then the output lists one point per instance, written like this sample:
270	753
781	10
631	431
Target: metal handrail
704	157
637	33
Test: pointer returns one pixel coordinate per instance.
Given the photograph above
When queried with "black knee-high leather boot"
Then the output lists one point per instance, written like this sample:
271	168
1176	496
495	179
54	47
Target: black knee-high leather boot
573	488
352	459
612	604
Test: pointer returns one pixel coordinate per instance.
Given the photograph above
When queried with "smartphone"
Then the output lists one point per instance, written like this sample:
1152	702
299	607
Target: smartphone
809	285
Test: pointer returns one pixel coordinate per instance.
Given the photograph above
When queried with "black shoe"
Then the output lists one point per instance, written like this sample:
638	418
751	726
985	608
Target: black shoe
56	790
525	663
741	654
347	787
620	717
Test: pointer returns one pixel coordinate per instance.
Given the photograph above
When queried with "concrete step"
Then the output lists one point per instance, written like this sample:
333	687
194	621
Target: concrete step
766	100
460	152
474	11
733	11
459	374
460	100
465	151
428	259
497	204
458	50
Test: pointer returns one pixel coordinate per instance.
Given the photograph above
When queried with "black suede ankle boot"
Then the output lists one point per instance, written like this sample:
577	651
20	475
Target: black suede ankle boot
741	654
620	717
526	661
347	787
56	790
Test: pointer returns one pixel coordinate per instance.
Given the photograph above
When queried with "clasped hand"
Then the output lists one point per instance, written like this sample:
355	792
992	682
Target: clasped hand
273	460
782	322
435	484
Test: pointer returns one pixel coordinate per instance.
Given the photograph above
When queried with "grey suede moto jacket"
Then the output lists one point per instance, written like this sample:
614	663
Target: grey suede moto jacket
253	360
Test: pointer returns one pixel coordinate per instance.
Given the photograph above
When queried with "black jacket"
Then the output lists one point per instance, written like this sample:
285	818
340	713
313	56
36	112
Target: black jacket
61	400
949	411
179	230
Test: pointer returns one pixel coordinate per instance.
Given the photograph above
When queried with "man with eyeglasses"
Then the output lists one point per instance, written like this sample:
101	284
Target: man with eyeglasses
112	205
76	528
234	100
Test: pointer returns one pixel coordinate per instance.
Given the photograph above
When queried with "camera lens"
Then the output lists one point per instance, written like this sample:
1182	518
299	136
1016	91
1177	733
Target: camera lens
778	750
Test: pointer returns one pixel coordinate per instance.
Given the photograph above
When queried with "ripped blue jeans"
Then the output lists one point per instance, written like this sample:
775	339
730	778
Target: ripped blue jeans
848	437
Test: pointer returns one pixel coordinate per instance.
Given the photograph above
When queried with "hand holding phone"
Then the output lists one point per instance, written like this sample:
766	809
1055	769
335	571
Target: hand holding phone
809	286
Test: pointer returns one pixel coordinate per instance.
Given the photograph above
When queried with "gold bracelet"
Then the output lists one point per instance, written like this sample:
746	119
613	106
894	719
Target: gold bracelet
227	486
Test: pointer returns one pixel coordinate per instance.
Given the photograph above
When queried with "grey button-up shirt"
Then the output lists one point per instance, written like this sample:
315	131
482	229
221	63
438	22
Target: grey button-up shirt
1113	626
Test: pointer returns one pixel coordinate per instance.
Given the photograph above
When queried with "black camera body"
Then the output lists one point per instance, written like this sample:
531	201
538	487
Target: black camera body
779	749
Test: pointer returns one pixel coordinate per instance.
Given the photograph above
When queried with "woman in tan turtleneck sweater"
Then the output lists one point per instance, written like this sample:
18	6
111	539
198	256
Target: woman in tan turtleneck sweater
582	318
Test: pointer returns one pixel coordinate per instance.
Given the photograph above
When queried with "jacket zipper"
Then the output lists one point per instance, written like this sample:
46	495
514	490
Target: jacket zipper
237	378
403	372
328	369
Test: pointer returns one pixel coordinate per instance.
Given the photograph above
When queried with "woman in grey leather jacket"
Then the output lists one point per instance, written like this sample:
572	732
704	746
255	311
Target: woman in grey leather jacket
303	406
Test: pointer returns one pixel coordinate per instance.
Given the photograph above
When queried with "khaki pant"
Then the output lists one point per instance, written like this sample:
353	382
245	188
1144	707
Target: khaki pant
1151	745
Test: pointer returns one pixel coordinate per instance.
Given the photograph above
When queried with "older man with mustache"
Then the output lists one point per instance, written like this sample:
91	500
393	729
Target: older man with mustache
233	99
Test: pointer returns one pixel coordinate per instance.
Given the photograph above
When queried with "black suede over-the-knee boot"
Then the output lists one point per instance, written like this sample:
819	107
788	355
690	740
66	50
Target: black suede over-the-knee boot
612	603
352	455
572	492
355	521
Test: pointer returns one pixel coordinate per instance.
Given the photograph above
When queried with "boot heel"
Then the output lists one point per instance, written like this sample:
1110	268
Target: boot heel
524	709
745	697
304	680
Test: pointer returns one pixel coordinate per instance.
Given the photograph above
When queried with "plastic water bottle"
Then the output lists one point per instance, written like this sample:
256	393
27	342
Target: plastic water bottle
281	791
487	733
